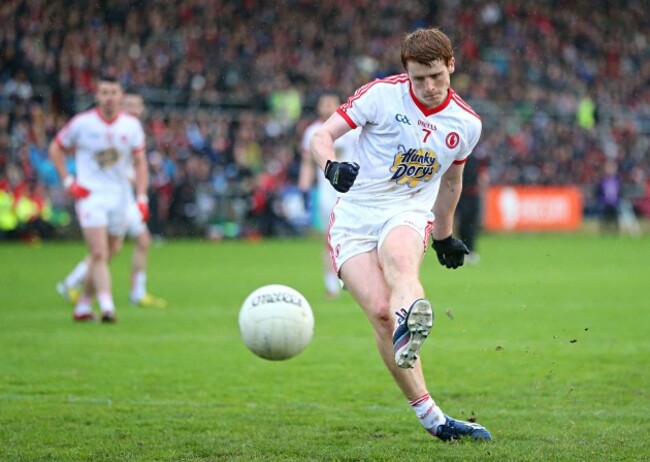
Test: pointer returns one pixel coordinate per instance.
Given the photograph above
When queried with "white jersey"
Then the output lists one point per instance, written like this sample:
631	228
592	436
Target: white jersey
404	147
103	149
344	148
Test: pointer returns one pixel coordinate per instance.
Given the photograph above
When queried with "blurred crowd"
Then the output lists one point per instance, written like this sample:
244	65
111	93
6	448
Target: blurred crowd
562	87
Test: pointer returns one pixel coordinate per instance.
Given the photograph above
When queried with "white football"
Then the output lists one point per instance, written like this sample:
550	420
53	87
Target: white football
276	322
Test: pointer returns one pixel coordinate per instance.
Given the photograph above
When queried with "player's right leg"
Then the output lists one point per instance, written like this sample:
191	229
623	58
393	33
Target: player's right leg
401	249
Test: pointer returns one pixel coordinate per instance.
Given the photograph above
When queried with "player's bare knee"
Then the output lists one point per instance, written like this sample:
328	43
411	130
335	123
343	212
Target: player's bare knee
98	255
381	317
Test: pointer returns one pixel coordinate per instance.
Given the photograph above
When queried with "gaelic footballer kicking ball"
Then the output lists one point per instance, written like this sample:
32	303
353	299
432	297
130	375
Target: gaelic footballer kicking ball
276	322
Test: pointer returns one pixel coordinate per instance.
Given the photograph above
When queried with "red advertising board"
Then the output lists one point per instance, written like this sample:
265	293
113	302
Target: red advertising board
532	208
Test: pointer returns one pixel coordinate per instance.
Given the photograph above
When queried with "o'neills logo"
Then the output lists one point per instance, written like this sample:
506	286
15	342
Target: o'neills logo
413	166
276	297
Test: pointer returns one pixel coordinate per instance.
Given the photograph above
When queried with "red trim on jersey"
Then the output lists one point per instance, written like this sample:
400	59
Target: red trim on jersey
58	141
393	80
347	118
104	119
463	105
460	162
66	127
430	111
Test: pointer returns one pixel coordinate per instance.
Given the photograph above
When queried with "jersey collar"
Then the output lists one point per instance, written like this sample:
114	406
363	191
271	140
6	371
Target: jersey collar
104	119
430	111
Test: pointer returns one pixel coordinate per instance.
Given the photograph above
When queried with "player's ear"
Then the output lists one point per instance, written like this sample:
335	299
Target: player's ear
452	65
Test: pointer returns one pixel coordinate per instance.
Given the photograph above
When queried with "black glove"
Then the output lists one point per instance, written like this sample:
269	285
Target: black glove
341	174
451	252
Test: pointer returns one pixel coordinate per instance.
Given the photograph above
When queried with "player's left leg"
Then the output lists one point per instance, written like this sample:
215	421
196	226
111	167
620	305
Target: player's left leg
364	278
400	256
69	288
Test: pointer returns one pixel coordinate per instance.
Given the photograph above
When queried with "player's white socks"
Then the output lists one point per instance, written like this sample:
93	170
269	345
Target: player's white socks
105	300
78	275
84	305
138	285
332	284
428	413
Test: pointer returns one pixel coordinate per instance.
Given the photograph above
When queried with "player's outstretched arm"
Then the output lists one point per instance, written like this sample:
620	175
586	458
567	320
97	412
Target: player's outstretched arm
57	156
341	175
322	143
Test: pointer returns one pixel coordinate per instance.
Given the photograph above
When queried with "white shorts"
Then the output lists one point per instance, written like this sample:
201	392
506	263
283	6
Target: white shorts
103	211
355	229
135	225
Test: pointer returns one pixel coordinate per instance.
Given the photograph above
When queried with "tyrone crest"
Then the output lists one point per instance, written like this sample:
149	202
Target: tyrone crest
452	140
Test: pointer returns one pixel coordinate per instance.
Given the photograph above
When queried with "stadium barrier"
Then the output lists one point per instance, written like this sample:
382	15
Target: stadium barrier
533	208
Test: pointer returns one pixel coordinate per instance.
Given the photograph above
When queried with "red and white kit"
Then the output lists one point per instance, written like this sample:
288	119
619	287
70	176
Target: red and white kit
104	161
404	149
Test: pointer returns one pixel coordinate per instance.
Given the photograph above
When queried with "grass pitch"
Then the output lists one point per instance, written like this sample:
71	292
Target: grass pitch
546	342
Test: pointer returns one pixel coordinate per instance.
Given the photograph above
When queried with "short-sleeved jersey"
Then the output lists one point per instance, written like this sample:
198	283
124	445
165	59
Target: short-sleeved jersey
344	148
103	149
404	147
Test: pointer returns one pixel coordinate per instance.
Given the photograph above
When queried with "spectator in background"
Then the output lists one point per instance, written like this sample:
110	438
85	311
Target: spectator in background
554	85
608	193
33	211
8	218
468	211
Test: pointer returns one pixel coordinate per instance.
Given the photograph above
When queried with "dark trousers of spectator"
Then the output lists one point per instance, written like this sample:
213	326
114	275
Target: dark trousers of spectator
468	213
155	223
34	229
609	218
272	223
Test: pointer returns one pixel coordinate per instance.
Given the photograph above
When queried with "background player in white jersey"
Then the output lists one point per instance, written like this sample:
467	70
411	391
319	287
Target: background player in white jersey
416	134
108	144
344	147
137	229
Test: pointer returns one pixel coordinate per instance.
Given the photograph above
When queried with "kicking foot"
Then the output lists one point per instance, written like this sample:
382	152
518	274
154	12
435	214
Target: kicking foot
413	326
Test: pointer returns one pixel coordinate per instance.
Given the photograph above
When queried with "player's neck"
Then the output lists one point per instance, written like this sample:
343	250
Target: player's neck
107	115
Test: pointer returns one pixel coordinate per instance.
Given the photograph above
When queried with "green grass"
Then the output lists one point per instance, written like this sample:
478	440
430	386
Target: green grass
549	347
